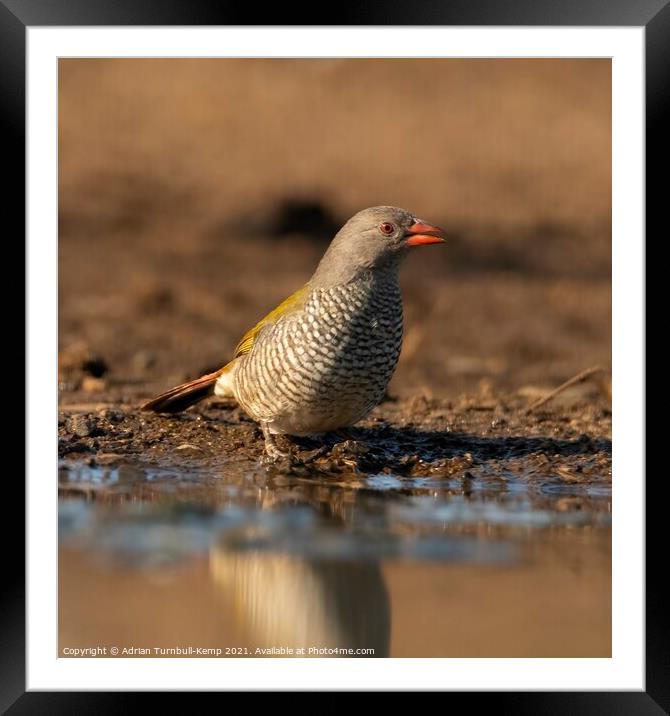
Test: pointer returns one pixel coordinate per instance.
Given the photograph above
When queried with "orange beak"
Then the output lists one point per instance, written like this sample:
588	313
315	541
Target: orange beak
420	234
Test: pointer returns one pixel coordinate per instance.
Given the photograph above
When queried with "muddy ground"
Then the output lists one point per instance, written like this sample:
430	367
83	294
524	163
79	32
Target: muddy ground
410	438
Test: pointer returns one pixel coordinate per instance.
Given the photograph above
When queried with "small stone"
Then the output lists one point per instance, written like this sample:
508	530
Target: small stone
409	460
107	458
113	416
81	426
65	447
349	448
189	449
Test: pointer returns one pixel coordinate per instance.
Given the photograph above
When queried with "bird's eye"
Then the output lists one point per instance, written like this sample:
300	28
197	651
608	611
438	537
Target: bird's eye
386	228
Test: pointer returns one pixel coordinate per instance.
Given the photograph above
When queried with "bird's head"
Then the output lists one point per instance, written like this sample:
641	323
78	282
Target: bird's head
374	238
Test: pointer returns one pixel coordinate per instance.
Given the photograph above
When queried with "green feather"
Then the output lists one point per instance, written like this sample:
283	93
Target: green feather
293	303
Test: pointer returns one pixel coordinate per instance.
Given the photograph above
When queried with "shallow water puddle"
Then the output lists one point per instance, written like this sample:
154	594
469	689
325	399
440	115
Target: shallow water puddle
266	565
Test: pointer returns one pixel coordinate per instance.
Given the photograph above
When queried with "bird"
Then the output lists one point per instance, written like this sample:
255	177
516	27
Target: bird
322	359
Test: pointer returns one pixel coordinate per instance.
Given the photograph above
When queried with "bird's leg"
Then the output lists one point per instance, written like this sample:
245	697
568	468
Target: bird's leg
271	448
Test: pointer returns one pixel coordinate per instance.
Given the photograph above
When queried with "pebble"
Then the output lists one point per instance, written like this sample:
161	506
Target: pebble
189	449
81	426
114	416
349	448
107	458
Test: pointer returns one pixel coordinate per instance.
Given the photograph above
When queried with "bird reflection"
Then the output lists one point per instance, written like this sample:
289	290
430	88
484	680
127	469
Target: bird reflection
305	604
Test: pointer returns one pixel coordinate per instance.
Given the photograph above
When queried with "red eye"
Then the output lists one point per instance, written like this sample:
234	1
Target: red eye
386	228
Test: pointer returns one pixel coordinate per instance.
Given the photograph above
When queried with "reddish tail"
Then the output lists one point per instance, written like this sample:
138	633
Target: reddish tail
182	396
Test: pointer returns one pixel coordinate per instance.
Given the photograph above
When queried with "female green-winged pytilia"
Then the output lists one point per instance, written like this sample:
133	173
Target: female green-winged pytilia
322	359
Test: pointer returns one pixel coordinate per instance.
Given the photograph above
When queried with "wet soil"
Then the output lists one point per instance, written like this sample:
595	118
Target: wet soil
469	440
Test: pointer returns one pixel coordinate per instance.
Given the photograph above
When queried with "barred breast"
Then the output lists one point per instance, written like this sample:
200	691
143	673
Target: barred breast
327	365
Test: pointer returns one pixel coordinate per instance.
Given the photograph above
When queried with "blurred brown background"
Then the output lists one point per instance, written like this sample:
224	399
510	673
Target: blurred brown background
195	194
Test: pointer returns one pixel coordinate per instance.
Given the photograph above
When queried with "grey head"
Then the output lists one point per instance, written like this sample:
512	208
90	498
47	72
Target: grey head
374	239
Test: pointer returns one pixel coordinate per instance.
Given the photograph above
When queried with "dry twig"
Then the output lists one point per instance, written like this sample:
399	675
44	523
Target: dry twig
579	378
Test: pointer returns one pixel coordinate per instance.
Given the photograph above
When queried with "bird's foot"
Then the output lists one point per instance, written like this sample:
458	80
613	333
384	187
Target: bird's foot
272	450
274	454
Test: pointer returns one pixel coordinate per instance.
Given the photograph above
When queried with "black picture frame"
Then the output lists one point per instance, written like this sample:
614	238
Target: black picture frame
17	15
